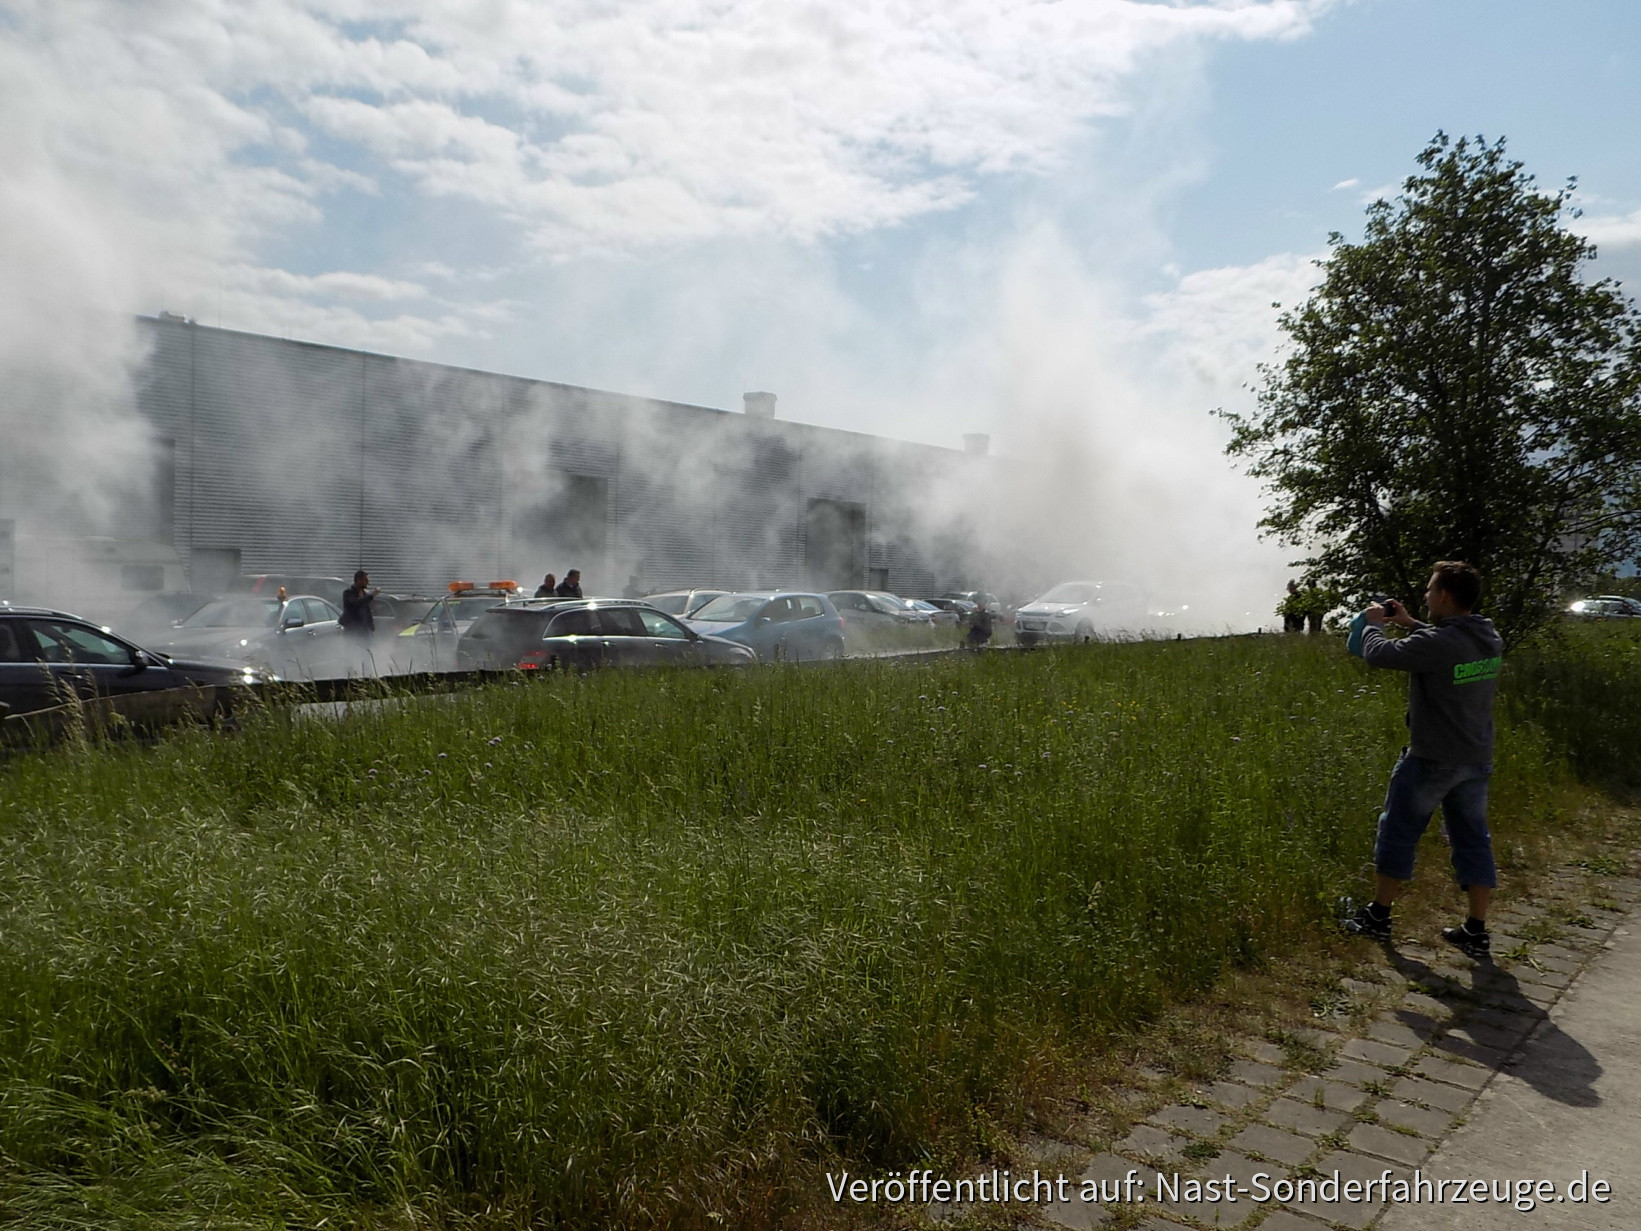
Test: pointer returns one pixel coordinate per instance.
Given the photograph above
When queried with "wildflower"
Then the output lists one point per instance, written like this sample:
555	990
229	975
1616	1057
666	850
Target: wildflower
496	740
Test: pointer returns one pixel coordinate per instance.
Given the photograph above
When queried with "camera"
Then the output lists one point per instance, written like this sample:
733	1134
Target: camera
1390	605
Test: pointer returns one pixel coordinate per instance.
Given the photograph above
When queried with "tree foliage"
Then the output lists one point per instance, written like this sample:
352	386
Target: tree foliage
1456	389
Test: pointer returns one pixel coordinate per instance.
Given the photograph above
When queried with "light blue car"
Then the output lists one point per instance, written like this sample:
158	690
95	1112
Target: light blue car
779	626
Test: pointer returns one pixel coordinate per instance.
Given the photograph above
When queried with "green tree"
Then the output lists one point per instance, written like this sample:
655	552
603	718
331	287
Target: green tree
1456	389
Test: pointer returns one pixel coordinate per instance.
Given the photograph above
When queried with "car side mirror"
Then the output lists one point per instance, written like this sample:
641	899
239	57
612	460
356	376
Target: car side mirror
289	624
762	620
140	662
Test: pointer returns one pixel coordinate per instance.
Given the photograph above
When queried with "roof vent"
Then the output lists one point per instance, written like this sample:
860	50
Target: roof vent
976	443
759	405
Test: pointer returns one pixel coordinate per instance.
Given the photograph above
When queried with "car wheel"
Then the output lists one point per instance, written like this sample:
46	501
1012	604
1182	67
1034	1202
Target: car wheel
834	650
1085	632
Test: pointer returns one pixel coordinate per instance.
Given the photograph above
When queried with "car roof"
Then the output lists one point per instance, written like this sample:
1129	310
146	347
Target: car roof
10	609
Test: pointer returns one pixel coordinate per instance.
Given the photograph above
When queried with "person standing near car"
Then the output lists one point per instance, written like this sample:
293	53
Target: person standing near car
980	624
548	586
358	619
570	587
1453	664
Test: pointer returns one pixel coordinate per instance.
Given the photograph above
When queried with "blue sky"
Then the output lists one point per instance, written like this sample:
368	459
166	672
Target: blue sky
1062	223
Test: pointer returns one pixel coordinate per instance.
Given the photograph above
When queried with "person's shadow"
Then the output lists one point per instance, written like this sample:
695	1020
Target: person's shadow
1546	1057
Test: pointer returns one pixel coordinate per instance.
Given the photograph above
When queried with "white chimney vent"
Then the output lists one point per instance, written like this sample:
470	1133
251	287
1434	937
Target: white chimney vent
977	443
759	405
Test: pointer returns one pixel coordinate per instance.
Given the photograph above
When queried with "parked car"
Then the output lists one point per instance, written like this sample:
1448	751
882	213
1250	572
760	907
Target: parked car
974	597
940	617
430	642
1082	611
155	617
959	607
866	611
682	602
1606	607
583	633
777	626
56	668
297	638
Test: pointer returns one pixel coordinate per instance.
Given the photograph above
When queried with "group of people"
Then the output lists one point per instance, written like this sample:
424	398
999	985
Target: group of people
570	587
359	618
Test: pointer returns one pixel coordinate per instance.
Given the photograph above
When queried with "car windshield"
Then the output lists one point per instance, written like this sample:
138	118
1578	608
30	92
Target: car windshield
1073	592
235	613
672	604
732	608
469	607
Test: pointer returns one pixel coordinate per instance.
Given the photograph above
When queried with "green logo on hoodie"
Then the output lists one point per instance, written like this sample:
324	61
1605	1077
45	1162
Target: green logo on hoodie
1481	669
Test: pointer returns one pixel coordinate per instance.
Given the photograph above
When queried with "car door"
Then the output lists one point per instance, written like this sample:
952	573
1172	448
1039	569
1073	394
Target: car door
107	676
24	679
670	642
810	629
770	628
575	639
623	638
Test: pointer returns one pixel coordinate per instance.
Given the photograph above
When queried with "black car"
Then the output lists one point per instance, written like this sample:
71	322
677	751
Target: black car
56	668
582	633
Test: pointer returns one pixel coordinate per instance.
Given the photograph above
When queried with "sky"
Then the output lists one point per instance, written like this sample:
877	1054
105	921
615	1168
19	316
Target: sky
1063	224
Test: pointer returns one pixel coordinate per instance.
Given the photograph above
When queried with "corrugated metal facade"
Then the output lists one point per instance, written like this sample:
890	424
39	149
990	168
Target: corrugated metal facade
316	460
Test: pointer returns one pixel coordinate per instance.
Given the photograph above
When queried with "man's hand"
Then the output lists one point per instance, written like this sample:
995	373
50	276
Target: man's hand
1376	615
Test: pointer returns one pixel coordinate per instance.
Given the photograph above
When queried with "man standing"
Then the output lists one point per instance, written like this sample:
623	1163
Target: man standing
547	587
1453	664
570	587
357	617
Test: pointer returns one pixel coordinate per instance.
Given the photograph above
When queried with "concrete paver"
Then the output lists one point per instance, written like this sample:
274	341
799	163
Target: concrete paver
1566	1106
1465	1071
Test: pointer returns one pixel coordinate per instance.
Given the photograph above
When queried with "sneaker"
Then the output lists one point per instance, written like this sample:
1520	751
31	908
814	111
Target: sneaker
1478	945
1364	923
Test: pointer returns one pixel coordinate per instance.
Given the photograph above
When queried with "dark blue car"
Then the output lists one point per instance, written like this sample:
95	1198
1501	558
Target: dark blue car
781	626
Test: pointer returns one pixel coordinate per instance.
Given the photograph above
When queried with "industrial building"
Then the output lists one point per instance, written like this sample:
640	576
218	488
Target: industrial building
280	456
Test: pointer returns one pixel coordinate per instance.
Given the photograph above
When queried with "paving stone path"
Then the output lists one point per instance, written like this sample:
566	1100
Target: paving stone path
1440	1028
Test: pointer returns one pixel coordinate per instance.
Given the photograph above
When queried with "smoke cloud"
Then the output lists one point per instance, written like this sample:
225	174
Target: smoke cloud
679	201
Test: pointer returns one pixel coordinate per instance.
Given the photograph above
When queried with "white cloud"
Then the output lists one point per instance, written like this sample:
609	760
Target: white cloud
1343	184
1609	231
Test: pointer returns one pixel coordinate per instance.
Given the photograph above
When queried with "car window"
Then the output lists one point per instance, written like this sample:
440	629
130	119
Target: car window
657	625
578	623
668	602
236	613
61	642
13	639
778	610
808	607
731	608
620	622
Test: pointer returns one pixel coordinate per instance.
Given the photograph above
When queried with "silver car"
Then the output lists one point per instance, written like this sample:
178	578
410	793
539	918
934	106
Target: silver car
1082	611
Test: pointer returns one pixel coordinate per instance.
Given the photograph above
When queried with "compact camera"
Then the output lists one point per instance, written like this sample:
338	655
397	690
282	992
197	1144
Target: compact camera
1390	605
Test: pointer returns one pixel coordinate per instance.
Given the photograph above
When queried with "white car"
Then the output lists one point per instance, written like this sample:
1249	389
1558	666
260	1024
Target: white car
1082	611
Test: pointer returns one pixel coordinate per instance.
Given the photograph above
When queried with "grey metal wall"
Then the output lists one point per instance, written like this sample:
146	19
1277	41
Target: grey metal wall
313	459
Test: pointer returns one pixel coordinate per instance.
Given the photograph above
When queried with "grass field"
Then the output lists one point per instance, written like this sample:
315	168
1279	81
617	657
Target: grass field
647	949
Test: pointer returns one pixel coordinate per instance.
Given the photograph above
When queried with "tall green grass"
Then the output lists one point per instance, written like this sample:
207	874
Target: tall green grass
1584	688
643	949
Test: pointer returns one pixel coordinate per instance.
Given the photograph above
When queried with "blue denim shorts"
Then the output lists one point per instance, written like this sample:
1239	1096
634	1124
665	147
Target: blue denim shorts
1417	786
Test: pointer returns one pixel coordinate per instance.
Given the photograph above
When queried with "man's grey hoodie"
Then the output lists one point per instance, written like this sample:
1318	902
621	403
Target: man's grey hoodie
1453	666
